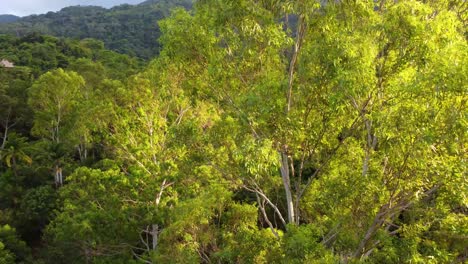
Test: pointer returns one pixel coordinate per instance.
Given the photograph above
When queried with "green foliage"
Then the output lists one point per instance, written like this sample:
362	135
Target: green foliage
5	255
302	242
361	125
37	207
38	54
12	248
95	224
265	132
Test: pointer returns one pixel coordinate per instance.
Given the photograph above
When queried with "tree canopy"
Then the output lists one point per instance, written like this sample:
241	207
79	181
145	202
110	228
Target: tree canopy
263	132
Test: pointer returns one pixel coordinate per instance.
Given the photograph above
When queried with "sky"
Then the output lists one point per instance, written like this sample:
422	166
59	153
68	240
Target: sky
29	7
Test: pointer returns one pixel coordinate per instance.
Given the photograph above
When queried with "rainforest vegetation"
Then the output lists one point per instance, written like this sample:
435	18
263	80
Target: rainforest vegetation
258	131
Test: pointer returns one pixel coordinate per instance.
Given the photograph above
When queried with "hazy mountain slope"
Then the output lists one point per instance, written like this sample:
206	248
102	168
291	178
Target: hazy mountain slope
8	18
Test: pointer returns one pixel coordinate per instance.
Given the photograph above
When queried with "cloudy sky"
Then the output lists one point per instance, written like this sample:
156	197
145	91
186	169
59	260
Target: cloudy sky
28	7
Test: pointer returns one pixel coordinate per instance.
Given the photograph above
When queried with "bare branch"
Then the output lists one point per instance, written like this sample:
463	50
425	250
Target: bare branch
140	258
164	185
181	115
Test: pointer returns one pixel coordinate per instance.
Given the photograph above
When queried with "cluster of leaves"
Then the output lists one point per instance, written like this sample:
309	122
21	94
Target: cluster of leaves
128	29
275	132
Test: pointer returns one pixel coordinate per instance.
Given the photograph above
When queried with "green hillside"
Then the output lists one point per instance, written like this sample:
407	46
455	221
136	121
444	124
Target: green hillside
129	29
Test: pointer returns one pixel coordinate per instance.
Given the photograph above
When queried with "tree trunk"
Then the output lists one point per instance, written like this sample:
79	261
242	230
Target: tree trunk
5	133
58	176
285	172
5	136
287	187
154	235
370	146
15	172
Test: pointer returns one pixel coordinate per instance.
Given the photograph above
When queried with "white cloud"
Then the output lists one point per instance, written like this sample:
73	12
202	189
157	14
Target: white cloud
28	7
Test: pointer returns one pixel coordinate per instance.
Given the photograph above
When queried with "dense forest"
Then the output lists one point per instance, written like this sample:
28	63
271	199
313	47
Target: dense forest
129	29
263	131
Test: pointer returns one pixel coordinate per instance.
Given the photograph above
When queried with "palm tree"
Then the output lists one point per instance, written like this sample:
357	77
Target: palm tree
14	152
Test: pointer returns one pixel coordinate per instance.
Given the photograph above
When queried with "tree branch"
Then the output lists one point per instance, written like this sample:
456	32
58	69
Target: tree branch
261	204
275	208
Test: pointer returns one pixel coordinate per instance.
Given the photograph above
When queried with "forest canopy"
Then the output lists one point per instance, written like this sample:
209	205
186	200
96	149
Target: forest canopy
263	132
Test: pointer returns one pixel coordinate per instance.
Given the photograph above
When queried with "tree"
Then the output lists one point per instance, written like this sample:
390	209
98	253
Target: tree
14	113
15	153
334	78
54	98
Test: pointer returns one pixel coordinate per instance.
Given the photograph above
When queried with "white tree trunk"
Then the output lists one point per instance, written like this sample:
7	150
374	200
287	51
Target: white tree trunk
58	176
287	187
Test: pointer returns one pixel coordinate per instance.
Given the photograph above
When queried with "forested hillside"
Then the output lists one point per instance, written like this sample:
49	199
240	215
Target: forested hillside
129	29
263	132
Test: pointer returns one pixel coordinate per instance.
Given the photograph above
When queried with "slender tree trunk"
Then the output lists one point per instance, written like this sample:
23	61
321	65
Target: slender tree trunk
370	146
154	235
285	172
287	187
292	65
15	172
5	136
5	132
155	227
85	151
58	176
79	152
369	233
82	151
57	125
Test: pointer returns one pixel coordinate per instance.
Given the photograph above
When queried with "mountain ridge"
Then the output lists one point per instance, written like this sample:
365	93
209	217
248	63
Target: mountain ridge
8	18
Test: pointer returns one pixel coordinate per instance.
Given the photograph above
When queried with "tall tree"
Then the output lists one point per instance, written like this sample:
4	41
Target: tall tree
331	72
54	98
